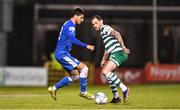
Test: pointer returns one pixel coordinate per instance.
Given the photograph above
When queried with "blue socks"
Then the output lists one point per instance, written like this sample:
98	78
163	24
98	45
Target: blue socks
83	84
67	80
63	82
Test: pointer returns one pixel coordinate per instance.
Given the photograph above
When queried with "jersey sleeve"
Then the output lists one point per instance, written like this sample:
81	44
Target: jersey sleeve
71	35
107	30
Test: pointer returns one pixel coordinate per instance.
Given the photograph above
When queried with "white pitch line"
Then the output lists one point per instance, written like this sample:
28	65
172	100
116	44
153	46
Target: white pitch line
21	95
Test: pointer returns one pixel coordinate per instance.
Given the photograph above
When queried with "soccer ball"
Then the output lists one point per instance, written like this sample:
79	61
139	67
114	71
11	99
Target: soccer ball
100	98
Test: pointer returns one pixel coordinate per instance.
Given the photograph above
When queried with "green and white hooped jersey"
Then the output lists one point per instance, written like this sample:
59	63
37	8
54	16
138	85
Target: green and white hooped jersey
110	42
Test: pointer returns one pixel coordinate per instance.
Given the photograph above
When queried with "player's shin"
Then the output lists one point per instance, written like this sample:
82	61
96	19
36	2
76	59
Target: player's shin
115	79
113	88
63	82
83	79
83	84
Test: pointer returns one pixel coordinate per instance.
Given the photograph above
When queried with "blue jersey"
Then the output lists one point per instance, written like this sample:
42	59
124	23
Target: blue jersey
67	38
64	46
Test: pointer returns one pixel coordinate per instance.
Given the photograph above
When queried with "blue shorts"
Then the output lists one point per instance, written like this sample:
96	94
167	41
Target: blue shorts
67	61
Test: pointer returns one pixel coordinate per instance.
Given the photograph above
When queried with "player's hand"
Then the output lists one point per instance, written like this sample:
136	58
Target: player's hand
126	50
102	63
90	47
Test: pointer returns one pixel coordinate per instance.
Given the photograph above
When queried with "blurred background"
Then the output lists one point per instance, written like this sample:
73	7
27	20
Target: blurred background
29	30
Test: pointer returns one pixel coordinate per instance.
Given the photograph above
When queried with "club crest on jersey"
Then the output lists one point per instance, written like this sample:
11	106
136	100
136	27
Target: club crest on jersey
71	28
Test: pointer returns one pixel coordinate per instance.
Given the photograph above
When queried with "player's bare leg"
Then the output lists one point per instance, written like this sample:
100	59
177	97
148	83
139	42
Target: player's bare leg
105	70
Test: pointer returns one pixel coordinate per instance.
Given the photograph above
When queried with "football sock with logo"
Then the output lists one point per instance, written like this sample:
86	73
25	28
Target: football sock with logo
83	79
83	84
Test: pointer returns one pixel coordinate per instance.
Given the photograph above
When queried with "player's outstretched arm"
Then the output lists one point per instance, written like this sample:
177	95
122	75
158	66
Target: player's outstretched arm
117	35
76	41
79	43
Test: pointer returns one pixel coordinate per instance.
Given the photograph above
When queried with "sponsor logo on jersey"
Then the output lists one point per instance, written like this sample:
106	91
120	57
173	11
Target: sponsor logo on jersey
71	28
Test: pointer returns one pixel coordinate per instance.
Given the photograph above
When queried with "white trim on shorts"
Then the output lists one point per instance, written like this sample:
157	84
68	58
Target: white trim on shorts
70	61
114	61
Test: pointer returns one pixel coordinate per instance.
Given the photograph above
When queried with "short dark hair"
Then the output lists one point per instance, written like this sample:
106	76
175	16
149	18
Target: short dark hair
97	17
77	11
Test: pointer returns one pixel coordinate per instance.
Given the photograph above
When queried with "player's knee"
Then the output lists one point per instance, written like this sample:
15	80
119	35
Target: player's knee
84	72
74	78
104	72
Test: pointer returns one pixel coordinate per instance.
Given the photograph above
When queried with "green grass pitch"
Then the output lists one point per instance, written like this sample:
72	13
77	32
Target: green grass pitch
149	96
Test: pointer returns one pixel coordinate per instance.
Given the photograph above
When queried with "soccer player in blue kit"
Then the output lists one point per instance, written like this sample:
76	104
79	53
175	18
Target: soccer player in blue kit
76	69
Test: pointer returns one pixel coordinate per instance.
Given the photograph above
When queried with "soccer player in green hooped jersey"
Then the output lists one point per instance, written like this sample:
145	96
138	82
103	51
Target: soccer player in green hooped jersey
115	54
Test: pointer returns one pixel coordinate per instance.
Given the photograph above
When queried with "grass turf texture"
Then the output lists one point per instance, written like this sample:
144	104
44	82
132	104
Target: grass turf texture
157	96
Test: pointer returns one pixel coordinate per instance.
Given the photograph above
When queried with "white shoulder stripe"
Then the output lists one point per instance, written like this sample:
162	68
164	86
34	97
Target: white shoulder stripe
106	29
